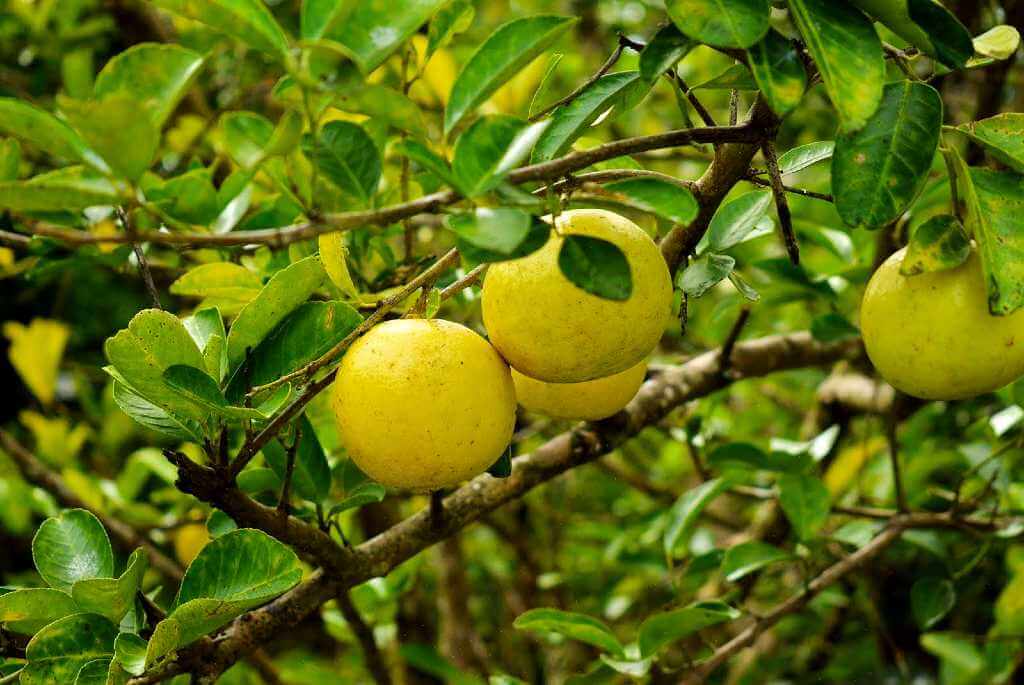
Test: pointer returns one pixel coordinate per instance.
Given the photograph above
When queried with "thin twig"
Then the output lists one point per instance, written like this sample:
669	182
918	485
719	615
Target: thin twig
364	634
781	203
825	197
471	278
894	459
147	275
692	98
608	64
14	239
289	472
725	359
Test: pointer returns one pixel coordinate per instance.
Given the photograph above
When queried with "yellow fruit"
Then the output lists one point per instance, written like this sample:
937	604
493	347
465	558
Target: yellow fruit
423	404
550	329
189	540
932	336
589	400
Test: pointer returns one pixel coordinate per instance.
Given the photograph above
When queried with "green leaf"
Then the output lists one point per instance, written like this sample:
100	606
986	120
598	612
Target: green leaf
426	158
285	291
930	599
805	156
154	341
999	42
287	134
130	653
381	103
452	19
926	25
304	335
995	202
736	220
155	418
110	597
254	481
721	23
663	52
745	558
747	457
318	17
956	653
705	273
597	266
61	649
364	493
806	502
95	672
833	327
10	159
878	171
570	121
536	237
232	574
500	230
248	20
373	30
736	77
1002	136
219	281
249	137
44	131
683	516
779	72
198	386
28	610
572	625
189	197
311	475
505	52
70	547
490	148
937	244
668	627
849	55
71	188
113	128
155	75
665	199
348	157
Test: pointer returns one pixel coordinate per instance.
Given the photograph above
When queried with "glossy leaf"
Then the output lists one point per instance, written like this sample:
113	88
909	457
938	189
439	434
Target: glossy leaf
510	48
736	77
318	17
348	157
95	672
307	333
311	475
805	156
285	291
686	511
500	230
995	202
721	23
246	136
536	237
806	502
930	600
130	653
745	558
668	200
154	341
663	52
200	388
736	220
45	131
937	244
428	159
878	171
705	273
1002	136
490	148
373	30
155	418
219	281
668	627
189	197
999	42
112	597
779	72
61	649
926	25
156	75
113	128
570	121
453	18
597	266
70	547
572	625
48	193
28	610
848	53
364	493
747	457
248	20
381	103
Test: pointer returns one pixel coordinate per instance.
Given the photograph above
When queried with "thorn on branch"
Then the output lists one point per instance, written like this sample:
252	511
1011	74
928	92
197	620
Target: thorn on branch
781	203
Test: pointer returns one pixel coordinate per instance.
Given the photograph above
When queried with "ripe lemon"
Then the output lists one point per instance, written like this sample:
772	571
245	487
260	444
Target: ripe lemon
551	330
932	336
423	404
589	400
189	540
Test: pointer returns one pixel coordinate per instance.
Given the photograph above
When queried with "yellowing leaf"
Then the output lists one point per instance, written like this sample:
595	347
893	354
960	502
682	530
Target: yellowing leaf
35	353
56	440
333	254
512	97
105	228
843	472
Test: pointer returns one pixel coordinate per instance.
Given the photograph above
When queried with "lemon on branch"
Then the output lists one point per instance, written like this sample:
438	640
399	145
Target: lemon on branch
589	400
